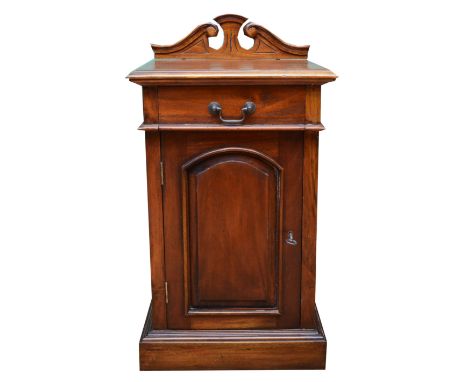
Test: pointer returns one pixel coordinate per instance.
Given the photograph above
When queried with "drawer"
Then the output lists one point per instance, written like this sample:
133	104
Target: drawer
273	104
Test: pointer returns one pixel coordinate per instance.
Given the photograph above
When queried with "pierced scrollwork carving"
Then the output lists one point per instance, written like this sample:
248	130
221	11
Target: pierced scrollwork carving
196	46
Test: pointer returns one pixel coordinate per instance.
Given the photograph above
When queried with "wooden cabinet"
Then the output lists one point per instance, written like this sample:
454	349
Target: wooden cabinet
232	149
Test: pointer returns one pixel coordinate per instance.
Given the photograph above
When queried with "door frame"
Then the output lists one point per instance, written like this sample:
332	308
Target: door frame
288	146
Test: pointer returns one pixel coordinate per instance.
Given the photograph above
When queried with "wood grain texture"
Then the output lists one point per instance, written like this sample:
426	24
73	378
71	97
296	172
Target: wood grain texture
150	105
230	72
313	104
196	46
286	150
232	349
156	230
309	216
309	209
309	227
274	104
254	355
233	226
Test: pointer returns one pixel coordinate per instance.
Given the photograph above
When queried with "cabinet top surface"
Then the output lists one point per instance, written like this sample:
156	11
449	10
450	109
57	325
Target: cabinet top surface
236	71
192	61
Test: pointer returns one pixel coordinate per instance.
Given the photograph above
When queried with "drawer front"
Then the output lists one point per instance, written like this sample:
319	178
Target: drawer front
273	104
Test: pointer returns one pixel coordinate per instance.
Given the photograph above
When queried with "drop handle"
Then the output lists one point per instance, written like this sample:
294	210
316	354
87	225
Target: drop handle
290	239
216	109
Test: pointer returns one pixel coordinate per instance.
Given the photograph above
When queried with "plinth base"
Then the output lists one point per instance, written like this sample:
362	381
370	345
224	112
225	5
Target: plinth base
232	349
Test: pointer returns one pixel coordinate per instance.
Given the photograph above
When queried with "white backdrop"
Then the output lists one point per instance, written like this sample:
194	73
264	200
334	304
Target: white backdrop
392	245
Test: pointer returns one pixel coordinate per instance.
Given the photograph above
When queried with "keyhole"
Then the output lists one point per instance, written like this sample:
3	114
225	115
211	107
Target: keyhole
290	240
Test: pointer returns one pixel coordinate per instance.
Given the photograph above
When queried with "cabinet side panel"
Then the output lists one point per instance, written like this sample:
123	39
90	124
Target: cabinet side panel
155	214
309	211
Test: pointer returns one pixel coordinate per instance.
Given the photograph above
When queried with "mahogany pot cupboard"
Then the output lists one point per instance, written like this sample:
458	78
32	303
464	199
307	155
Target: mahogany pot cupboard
231	150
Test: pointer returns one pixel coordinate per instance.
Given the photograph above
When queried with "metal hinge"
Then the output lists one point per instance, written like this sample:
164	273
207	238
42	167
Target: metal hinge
162	173
167	294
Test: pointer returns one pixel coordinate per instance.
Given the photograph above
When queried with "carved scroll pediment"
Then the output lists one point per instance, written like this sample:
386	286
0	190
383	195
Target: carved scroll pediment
196	46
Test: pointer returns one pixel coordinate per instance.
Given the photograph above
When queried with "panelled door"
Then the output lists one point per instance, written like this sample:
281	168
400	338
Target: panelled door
232	229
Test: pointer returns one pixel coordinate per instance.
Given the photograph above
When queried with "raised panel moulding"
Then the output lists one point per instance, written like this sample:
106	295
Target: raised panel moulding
215	201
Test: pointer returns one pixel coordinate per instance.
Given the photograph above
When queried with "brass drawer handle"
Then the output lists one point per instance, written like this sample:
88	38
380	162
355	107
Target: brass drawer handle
216	109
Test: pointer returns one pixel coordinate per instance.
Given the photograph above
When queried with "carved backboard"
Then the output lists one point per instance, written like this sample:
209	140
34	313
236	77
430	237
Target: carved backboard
195	45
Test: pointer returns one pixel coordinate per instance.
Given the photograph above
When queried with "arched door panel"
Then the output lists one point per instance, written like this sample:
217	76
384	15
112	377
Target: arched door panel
232	200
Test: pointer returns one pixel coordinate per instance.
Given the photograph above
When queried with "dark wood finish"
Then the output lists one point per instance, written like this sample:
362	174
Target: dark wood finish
309	227
192	61
275	104
312	104
236	72
158	276
232	349
309	214
150	105
232	209
196	46
235	229
232	231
